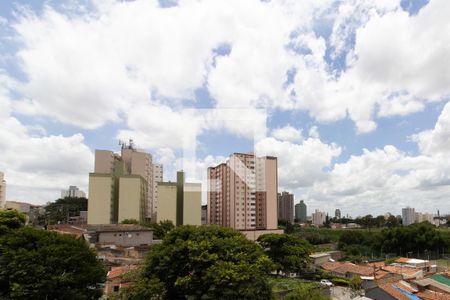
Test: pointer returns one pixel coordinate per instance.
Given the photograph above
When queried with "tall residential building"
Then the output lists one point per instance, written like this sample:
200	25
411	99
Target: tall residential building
422	217
337	213
242	192
180	202
300	212
2	191
286	207
157	177
318	218
73	192
408	216
122	186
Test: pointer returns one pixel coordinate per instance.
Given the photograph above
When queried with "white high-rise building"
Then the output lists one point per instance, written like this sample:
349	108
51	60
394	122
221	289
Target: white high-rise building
73	192
2	191
408	216
318	218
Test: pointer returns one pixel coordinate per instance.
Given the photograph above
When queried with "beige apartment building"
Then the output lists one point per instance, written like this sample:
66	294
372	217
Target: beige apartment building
242	193
122	186
179	202
2	191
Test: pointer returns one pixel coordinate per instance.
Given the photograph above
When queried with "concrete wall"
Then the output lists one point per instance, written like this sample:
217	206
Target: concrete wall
167	202
100	194
126	239
192	204
132	198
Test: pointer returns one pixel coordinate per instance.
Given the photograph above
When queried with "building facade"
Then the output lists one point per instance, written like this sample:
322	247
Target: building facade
122	186
408	216
318	218
73	192
301	212
242	192
337	213
180	202
2	191
286	207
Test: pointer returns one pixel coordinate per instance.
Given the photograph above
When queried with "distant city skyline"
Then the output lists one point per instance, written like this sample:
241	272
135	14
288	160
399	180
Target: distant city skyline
334	89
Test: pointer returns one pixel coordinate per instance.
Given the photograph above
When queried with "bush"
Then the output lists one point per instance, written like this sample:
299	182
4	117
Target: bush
340	281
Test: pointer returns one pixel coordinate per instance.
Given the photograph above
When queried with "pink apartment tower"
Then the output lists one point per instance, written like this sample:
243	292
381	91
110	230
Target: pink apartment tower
242	192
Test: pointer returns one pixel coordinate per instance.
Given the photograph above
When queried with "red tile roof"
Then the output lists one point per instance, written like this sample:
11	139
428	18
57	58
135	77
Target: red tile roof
431	295
391	290
120	271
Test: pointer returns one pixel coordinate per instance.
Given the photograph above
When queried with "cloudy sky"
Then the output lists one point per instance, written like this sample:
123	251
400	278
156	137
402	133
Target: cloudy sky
352	96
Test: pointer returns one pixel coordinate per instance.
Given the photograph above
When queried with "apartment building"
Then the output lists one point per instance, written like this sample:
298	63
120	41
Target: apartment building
286	207
318	218
180	202
73	192
242	192
301	212
122	186
2	191
408	216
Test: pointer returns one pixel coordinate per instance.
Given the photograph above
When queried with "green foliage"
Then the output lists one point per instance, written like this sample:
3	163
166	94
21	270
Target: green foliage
289	253
355	283
307	292
161	229
340	281
62	209
36	264
145	288
207	262
11	219
130	221
399	240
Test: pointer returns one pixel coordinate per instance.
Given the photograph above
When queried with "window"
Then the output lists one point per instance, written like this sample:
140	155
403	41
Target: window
116	288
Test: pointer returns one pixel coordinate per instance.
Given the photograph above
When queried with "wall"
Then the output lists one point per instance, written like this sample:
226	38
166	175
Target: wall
192	204
167	202
126	239
100	189
131	198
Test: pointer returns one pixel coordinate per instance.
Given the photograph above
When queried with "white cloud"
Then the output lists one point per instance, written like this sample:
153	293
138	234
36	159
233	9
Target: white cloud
288	133
299	164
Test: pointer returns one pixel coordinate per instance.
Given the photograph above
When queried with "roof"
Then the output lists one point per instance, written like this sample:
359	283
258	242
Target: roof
441	279
319	254
75	231
414	261
398	291
377	264
410	272
436	284
117	228
347	267
431	295
117	272
354	269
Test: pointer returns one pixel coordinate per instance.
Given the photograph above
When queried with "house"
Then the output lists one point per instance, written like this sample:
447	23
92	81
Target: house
125	235
400	290
405	271
116	281
320	258
348	269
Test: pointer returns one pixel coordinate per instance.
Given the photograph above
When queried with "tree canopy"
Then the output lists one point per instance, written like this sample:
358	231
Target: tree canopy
206	262
289	253
162	228
11	219
37	264
62	209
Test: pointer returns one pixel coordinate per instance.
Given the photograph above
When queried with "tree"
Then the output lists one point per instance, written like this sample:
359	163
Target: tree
37	264
130	221
307	292
11	219
208	262
289	253
62	209
162	228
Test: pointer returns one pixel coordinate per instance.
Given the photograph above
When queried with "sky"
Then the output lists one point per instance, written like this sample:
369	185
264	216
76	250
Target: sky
351	96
